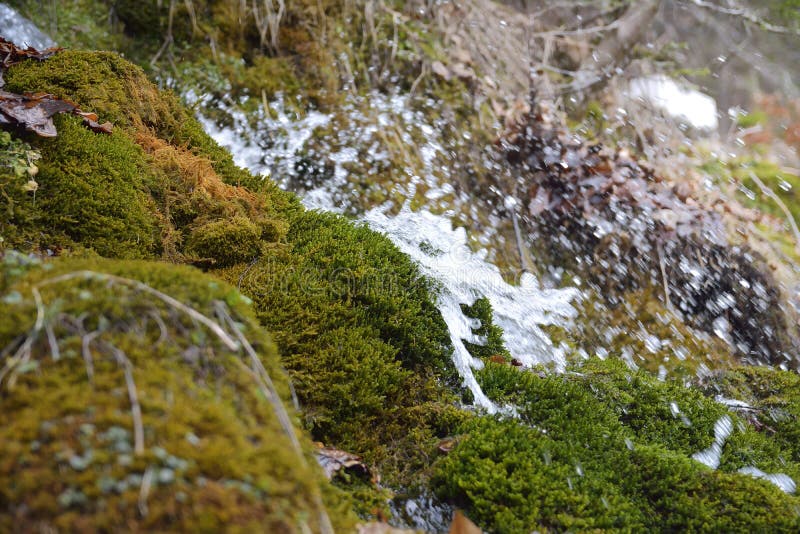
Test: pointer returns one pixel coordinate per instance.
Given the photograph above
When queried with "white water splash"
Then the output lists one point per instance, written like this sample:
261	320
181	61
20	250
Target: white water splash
444	255
784	482
276	142
712	455
696	108
441	251
21	31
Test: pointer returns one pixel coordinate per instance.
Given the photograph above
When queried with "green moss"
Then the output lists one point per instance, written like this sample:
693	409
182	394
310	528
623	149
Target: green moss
213	449
226	242
751	119
741	171
493	334
602	448
359	333
118	91
774	397
354	318
93	190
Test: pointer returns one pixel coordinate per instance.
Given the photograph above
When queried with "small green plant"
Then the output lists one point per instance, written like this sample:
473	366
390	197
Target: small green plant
17	157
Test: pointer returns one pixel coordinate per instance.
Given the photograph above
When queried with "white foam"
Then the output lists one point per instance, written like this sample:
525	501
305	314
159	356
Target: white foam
464	276
712	455
784	482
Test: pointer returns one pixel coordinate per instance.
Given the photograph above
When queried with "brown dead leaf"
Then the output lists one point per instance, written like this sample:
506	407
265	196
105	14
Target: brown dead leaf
333	461
439	69
96	127
35	111
12	54
446	445
497	358
462	525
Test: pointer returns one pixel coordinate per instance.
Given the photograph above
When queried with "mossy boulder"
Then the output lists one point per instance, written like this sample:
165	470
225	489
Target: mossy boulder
353	317
120	92
358	330
605	448
119	407
141	192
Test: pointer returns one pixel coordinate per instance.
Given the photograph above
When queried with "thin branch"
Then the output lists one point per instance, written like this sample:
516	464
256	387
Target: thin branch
53	342
87	353
144	491
580	31
745	14
164	334
280	411
133	396
771	194
663	267
191	312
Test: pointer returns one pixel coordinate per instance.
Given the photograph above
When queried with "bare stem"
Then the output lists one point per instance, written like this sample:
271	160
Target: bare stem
191	312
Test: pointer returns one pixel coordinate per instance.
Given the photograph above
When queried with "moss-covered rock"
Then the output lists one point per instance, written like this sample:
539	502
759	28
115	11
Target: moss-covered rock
605	448
119	407
157	182
357	329
355	320
120	92
94	190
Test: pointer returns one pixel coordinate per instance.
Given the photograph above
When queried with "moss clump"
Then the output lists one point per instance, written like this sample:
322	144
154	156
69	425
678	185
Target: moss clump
493	347
227	242
120	92
210	452
773	397
603	449
93	190
359	333
153	186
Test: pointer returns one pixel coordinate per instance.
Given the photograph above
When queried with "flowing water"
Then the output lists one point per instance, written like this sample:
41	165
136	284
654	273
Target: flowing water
440	248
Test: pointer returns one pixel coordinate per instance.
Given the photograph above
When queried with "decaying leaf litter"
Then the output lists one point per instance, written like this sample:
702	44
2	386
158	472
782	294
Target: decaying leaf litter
35	111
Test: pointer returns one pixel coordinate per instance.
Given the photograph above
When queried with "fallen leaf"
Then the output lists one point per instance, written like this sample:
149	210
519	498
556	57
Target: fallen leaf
12	54
446	445
35	111
438	68
462	525
333	460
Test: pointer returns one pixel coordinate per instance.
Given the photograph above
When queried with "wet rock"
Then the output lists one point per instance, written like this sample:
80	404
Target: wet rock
22	31
611	220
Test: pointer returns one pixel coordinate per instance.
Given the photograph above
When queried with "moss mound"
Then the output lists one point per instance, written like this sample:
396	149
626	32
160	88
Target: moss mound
120	92
367	349
353	317
609	449
120	407
157	182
